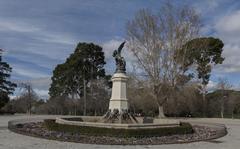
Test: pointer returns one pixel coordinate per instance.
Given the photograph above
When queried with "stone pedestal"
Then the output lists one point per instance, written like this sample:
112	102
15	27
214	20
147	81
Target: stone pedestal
118	106
119	99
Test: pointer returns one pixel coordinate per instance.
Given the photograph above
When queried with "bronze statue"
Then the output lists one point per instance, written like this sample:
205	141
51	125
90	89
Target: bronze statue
120	61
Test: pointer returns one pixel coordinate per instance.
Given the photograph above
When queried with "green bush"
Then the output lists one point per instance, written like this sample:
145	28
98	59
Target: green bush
4	99
74	119
184	128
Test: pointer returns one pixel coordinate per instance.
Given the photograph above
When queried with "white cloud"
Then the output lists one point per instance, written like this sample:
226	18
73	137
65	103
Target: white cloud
45	50
211	86
55	37
29	72
12	96
229	24
228	29
13	25
206	6
109	47
231	62
213	3
42	93
237	88
35	31
39	85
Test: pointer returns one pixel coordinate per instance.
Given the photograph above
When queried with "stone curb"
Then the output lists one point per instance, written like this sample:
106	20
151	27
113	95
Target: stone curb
221	131
167	123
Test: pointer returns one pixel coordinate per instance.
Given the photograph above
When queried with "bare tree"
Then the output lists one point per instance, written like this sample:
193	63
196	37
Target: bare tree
155	41
28	95
99	96
137	95
223	86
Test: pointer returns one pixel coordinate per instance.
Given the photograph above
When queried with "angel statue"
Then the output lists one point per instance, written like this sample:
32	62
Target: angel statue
120	62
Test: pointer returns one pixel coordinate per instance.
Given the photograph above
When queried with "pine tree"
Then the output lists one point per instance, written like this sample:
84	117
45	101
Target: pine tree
6	86
73	77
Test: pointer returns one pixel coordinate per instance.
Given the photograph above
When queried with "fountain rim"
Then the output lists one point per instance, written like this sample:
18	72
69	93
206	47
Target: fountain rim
165	124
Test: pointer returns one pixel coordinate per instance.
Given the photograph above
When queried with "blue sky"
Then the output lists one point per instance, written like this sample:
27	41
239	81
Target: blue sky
39	34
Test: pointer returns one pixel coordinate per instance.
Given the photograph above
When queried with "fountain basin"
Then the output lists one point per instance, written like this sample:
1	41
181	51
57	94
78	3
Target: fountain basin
163	127
96	122
49	129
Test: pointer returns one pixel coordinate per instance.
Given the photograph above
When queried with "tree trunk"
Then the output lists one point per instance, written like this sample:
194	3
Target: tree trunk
160	107
222	105
29	98
95	112
222	108
204	101
75	110
85	97
161	112
222	115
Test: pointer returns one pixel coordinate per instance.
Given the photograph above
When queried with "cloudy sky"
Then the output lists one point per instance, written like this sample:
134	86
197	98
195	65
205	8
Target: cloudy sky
39	34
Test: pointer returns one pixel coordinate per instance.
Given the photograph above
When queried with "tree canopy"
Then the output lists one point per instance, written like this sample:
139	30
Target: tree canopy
203	53
6	86
155	40
87	62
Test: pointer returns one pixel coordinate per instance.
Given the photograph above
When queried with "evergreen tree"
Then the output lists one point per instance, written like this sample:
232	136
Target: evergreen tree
6	86
86	63
204	53
72	77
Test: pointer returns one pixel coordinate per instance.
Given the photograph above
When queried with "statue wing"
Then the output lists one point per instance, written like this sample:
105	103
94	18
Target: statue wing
120	47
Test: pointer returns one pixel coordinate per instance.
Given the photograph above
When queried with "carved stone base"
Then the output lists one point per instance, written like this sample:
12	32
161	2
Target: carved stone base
123	117
118	105
119	92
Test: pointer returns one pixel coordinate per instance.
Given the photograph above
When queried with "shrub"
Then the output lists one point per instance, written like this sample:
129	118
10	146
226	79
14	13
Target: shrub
3	112
184	128
74	119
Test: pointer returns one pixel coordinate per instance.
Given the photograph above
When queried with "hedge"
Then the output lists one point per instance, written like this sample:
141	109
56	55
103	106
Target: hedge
2	112
184	128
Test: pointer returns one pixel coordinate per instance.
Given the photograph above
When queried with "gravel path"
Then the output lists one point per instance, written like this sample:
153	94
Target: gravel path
10	140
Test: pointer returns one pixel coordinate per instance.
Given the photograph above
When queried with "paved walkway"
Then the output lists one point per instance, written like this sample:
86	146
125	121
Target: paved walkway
10	140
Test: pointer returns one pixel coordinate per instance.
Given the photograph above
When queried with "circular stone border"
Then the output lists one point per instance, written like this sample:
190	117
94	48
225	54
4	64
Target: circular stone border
212	131
163	123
